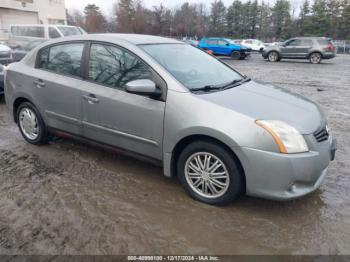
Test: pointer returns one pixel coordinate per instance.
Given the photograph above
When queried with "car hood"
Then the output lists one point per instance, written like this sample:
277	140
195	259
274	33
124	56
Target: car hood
4	48
267	102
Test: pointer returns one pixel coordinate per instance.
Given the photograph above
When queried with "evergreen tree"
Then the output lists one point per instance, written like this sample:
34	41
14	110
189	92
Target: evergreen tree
125	13
217	23
281	19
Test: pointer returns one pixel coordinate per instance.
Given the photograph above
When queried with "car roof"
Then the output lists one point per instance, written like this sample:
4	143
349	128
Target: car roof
42	25
310	37
135	39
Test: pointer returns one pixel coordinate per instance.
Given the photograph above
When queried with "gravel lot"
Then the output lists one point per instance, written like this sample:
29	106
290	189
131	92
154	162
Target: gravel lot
72	198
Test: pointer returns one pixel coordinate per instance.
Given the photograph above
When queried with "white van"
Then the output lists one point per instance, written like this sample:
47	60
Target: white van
20	35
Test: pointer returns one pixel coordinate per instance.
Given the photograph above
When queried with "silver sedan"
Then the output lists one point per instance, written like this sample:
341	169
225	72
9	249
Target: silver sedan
219	132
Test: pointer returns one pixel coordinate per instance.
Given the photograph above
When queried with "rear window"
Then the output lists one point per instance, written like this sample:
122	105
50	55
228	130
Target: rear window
62	59
29	31
67	31
324	41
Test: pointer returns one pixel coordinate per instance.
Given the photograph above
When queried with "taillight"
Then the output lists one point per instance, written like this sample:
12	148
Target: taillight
330	48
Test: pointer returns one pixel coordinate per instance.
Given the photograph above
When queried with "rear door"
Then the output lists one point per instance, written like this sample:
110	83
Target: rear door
113	116
303	47
56	85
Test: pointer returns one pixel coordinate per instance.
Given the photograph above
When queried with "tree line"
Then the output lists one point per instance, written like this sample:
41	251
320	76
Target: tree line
248	19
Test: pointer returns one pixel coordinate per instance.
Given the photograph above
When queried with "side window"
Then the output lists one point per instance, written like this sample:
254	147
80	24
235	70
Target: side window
113	66
63	59
53	33
295	42
222	42
212	42
30	31
306	42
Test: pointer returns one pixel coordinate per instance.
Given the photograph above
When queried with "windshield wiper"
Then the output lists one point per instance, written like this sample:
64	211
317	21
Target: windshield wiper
231	84
207	88
236	82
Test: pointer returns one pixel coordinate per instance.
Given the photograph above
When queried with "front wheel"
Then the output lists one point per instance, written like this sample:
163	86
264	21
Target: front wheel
31	124
209	173
273	56
315	58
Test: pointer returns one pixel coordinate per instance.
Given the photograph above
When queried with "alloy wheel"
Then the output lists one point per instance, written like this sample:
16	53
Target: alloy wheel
273	56
315	58
207	175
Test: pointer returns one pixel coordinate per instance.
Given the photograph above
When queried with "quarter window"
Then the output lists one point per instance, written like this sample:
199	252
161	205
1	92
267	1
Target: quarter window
63	59
115	67
30	31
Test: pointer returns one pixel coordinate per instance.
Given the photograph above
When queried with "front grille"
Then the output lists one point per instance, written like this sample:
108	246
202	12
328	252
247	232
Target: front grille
322	134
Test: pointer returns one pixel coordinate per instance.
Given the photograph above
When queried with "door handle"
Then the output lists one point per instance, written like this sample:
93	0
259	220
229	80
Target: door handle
39	83
92	99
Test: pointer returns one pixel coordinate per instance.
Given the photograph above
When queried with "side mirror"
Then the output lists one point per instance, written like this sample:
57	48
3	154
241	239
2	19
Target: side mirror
227	44
144	87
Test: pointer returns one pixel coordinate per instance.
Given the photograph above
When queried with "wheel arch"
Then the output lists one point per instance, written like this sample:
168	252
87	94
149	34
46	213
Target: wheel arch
16	103
180	145
274	50
313	52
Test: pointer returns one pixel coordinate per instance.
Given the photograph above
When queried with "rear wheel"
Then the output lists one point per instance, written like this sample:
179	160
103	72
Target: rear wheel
315	58
209	173
273	56
31	124
235	55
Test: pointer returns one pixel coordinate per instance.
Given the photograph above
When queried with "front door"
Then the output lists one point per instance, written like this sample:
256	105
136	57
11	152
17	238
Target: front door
56	83
113	116
289	49
224	47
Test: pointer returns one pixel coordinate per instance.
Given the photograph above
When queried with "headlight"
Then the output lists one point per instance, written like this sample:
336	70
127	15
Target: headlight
287	138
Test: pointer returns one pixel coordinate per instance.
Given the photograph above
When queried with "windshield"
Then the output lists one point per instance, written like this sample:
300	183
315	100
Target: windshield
67	31
190	66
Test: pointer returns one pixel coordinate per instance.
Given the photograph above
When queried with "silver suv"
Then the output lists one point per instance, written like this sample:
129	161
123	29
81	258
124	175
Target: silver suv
218	131
312	48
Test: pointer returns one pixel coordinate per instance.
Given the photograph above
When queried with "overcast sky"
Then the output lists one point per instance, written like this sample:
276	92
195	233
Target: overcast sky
106	5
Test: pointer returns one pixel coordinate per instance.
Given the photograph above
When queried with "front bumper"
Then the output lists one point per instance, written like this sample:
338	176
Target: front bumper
286	176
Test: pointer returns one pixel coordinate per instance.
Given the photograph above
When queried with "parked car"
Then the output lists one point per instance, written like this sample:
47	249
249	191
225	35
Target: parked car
225	47
5	54
254	44
313	48
21	35
19	52
219	132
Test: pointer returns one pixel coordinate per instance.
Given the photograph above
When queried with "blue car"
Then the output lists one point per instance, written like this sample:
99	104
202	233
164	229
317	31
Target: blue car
224	47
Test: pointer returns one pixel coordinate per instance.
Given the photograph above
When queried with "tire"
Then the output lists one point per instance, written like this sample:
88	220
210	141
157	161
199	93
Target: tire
273	56
236	55
243	57
315	58
31	124
230	184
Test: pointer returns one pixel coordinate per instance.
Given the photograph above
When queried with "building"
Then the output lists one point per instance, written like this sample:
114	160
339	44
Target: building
31	12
